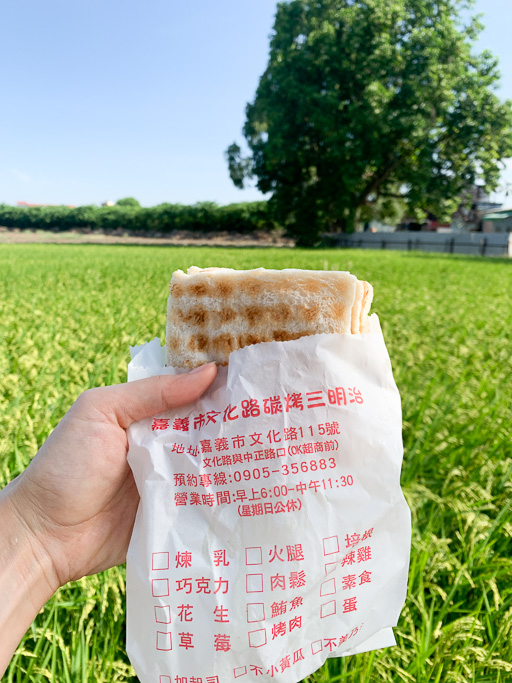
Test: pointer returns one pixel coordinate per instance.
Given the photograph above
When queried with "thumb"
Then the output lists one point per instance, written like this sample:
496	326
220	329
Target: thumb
123	404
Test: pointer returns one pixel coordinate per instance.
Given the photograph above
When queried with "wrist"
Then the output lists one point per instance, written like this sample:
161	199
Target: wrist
27	575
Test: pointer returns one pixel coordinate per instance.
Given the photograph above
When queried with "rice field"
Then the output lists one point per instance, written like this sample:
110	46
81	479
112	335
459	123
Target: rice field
68	315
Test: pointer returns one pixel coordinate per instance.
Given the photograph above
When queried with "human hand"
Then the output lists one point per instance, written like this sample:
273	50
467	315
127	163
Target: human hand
71	512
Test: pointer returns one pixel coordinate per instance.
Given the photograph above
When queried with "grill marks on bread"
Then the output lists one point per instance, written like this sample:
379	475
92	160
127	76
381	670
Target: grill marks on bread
215	311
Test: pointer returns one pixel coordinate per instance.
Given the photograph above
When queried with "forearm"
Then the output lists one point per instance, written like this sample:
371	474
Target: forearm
27	579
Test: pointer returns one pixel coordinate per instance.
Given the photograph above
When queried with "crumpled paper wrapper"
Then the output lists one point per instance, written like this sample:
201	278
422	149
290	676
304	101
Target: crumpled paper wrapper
272	531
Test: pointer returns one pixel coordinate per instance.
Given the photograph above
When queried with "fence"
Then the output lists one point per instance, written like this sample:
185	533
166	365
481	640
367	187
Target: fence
484	244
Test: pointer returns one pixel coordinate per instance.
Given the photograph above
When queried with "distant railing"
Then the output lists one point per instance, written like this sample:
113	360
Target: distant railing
484	244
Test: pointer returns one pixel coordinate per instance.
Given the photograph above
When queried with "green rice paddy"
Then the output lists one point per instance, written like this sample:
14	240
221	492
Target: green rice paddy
68	315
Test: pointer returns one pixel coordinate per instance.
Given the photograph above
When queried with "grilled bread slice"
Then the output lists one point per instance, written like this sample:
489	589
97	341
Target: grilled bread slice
214	311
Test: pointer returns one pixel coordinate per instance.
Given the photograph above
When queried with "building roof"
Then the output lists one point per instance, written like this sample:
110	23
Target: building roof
27	205
497	214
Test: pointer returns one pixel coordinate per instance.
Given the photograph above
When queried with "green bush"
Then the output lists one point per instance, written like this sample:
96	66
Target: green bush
164	218
128	201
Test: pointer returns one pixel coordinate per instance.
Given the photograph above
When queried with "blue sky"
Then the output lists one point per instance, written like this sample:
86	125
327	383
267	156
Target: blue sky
109	99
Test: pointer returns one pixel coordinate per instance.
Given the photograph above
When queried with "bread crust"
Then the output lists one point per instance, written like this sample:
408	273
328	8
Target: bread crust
214	311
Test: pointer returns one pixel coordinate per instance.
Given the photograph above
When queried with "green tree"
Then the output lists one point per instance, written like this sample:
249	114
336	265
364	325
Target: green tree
128	201
365	101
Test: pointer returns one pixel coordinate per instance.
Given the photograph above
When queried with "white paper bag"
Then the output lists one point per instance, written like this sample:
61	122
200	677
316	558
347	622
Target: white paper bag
272	532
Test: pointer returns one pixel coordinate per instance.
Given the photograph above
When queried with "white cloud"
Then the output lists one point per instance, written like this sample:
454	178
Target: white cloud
22	177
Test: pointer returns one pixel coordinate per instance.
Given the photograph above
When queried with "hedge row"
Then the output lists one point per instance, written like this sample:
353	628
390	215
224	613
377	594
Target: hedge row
164	218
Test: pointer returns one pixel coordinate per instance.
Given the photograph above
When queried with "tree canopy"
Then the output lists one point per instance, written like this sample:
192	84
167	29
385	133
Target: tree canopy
128	201
369	104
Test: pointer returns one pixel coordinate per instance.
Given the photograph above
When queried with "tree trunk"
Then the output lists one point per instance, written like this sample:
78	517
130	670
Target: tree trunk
347	224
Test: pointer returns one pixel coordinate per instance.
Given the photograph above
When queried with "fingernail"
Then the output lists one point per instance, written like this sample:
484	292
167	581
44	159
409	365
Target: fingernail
201	368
